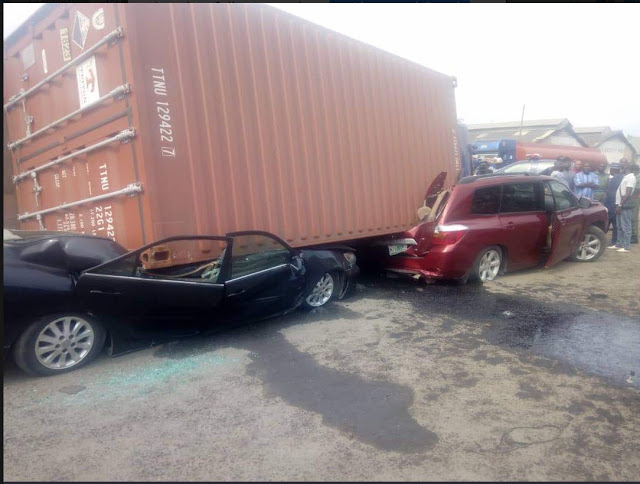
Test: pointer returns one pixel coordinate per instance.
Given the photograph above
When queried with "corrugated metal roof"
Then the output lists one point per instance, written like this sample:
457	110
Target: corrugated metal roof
596	136
592	139
528	134
516	124
635	142
596	129
533	131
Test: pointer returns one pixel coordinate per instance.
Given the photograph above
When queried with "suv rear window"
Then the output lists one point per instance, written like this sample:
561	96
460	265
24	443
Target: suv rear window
518	168
521	197
486	201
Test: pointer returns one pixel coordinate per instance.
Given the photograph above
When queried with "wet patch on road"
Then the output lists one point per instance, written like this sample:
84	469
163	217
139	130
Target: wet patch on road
563	336
375	412
531	392
578	408
599	343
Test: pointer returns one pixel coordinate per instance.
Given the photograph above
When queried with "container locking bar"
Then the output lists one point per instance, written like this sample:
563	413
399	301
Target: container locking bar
123	136
113	35
130	190
118	91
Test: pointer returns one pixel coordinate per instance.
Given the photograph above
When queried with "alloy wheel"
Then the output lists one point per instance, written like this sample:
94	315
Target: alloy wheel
64	342
489	265
589	247
322	291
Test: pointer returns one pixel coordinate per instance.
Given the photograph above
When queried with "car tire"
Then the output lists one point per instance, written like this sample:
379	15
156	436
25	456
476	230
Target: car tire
348	287
487	265
591	247
320	290
72	331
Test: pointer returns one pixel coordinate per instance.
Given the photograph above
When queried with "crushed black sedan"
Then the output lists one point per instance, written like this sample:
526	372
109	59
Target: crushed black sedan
66	294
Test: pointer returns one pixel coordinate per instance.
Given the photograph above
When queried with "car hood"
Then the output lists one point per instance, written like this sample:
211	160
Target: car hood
74	253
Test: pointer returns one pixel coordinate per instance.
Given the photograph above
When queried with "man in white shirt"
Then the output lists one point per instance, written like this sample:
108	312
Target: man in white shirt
561	170
623	209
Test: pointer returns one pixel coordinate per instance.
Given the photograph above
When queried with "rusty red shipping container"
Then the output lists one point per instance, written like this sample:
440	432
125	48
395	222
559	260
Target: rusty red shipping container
141	121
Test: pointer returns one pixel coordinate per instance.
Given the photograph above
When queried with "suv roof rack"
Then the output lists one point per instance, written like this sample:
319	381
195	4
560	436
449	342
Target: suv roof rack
471	179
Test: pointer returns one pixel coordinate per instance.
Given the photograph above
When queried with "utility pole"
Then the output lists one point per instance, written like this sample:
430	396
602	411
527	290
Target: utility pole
521	122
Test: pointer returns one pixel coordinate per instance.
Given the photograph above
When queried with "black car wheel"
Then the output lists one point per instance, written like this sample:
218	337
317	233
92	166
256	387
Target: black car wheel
321	290
58	343
591	246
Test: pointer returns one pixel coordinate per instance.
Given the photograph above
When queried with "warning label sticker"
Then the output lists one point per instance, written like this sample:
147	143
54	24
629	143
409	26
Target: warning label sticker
87	76
81	27
98	19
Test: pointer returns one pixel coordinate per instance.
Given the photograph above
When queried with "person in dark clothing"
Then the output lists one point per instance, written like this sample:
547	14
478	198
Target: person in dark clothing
610	197
484	168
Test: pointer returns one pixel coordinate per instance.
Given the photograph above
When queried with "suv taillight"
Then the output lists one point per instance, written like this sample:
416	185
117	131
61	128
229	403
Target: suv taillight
448	234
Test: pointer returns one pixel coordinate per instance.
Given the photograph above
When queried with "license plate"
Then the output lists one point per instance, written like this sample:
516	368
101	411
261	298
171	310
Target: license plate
398	248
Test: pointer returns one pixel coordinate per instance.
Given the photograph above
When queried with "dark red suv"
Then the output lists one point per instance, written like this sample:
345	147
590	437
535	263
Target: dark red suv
491	224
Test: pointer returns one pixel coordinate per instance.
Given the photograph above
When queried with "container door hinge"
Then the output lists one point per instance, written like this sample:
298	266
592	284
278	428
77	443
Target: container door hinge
37	188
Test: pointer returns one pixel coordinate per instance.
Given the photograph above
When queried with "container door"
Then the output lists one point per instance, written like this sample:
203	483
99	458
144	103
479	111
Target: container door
567	224
173	284
71	127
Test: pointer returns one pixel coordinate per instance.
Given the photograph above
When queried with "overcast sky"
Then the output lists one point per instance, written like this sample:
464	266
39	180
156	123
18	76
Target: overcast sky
575	61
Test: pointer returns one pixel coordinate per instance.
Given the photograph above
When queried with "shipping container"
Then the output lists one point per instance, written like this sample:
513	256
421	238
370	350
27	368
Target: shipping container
142	121
9	200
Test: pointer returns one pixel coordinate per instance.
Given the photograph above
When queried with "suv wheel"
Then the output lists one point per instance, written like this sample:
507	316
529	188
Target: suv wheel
487	265
591	246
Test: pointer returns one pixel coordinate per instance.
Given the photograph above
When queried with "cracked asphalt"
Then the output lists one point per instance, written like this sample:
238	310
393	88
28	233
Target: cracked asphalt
532	377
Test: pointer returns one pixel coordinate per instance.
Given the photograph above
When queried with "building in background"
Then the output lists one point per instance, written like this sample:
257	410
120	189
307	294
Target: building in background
546	131
612	143
635	142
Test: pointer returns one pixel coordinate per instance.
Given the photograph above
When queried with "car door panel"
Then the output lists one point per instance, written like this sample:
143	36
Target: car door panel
567	224
523	223
261	294
263	279
566	229
123	291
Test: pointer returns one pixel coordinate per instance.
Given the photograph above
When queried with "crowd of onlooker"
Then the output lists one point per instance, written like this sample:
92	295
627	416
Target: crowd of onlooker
616	189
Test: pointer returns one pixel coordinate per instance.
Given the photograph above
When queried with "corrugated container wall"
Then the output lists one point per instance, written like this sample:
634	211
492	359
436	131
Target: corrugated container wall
141	121
9	201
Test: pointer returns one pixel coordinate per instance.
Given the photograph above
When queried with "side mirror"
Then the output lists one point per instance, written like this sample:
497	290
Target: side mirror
584	202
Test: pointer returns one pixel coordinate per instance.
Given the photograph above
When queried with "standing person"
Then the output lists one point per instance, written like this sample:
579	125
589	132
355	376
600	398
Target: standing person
484	168
636	211
561	170
577	166
623	210
586	181
570	174
610	198
600	193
